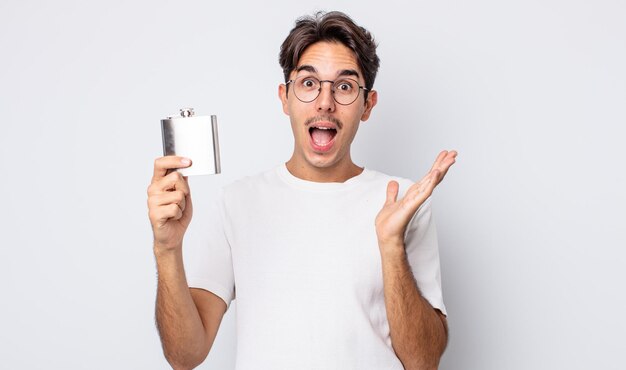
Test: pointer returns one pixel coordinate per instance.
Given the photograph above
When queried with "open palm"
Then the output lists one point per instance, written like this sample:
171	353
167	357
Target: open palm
393	218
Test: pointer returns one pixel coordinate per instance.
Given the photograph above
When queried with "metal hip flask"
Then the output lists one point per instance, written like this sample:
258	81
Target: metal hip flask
193	137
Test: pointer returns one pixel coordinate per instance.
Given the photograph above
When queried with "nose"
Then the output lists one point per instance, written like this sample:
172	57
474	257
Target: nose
325	102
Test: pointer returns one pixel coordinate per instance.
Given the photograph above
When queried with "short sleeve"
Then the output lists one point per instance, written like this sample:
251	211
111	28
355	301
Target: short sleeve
423	255
209	264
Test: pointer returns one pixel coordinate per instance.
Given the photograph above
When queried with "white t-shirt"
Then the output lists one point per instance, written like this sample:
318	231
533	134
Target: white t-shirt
304	261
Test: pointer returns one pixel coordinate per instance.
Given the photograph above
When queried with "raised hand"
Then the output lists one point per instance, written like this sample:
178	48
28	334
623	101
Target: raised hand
169	203
393	218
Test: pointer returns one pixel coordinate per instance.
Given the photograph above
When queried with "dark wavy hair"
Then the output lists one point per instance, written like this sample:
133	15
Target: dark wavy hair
331	26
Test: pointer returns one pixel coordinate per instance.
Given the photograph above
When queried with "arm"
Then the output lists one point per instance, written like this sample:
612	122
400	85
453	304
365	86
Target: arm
187	319
418	331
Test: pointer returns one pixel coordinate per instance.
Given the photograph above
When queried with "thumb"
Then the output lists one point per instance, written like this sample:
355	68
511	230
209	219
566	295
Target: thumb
392	192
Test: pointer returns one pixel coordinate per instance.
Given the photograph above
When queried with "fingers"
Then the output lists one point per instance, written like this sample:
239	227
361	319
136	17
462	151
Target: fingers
173	181
168	205
160	215
422	189
439	159
164	164
392	192
444	160
427	184
169	197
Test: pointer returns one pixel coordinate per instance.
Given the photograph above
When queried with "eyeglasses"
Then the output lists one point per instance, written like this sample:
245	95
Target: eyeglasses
345	90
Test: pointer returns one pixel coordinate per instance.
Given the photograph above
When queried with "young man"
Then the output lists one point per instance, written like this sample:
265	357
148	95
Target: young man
332	269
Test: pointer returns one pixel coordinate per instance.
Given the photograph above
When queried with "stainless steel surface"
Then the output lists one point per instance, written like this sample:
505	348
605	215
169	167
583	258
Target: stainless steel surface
194	137
216	145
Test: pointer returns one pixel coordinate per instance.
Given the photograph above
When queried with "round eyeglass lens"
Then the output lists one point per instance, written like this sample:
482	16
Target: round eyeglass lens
346	91
306	88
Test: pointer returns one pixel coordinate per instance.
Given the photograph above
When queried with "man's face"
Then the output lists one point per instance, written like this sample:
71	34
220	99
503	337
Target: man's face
323	129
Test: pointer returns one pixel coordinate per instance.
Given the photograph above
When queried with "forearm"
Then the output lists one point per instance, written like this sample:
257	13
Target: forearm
418	334
182	333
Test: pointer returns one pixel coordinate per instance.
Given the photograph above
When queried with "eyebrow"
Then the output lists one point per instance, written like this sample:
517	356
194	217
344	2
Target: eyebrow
349	72
307	68
343	72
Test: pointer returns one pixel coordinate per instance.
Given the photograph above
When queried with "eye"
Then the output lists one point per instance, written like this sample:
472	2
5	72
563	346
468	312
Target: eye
344	86
308	83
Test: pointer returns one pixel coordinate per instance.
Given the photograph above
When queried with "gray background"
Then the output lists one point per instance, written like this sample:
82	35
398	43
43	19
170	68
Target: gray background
531	218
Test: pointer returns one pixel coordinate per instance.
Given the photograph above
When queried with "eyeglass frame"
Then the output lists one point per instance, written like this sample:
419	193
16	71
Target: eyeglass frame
332	83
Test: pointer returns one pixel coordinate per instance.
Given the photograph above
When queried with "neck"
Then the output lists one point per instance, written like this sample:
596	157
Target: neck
335	173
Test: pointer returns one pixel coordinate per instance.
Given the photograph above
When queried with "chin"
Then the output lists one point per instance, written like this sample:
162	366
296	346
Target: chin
326	160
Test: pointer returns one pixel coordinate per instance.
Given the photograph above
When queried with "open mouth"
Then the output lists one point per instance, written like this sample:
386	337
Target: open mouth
322	137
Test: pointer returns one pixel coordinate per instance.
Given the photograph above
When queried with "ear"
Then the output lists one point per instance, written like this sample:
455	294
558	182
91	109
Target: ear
370	103
282	95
